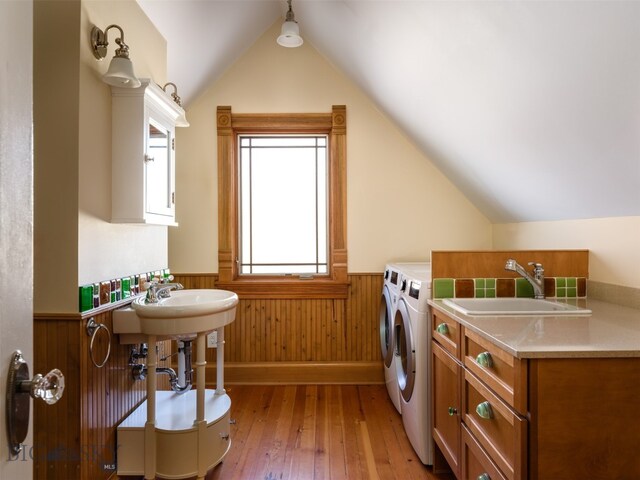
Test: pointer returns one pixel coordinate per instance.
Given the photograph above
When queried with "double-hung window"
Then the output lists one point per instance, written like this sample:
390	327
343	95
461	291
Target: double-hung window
282	204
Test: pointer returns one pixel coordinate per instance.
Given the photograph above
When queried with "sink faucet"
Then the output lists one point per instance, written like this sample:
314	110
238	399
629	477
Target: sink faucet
536	280
157	289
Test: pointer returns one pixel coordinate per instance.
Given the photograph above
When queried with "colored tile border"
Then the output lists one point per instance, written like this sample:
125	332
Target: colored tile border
114	290
555	287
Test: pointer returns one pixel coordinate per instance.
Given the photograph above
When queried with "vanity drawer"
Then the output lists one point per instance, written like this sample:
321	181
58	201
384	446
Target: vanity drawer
501	371
476	464
446	332
499	430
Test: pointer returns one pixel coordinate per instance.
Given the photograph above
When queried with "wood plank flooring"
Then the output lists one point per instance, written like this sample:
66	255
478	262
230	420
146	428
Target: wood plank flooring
317	432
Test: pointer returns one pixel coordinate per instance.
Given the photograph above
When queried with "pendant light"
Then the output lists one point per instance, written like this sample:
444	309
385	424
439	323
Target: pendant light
290	33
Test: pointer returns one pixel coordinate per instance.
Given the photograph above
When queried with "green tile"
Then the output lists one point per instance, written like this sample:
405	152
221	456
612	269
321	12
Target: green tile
523	288
126	287
561	282
443	288
479	283
490	283
86	298
572	282
572	292
479	292
490	293
561	292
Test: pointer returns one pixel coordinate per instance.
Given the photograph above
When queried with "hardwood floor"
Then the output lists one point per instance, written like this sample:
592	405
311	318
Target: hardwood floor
317	432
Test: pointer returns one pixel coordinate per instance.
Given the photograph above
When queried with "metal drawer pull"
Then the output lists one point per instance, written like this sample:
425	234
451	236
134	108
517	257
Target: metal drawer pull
453	411
484	476
224	436
484	360
484	410
442	329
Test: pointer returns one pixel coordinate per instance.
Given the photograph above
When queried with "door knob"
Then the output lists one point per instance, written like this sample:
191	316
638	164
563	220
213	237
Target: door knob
48	388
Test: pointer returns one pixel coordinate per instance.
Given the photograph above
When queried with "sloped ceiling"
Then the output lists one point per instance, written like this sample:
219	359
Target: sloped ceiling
531	108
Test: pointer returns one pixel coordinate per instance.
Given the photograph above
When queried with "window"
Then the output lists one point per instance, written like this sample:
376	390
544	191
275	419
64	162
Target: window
282	204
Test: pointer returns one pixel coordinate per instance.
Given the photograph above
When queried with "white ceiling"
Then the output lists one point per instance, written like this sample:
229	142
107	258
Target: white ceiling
532	108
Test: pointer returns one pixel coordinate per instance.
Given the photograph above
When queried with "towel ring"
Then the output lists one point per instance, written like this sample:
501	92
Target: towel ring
92	330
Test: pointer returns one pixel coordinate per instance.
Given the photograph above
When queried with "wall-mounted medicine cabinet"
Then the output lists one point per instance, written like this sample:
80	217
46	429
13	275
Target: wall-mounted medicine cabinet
143	155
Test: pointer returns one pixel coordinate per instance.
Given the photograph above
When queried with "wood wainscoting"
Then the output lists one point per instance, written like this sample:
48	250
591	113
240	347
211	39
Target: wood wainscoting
302	340
76	437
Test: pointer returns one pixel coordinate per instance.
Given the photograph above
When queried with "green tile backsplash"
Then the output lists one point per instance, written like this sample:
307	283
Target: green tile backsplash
443	288
111	291
561	287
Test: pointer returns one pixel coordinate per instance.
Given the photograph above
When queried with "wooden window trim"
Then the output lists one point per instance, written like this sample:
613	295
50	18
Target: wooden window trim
230	125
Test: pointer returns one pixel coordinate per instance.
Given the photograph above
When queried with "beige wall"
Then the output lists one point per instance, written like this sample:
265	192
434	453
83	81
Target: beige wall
399	205
107	250
613	244
74	242
55	116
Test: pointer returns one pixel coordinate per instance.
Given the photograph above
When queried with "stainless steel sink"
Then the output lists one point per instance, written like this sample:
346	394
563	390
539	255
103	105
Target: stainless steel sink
513	306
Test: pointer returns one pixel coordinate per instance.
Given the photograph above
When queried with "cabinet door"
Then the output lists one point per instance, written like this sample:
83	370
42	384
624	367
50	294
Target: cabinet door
159	169
446	406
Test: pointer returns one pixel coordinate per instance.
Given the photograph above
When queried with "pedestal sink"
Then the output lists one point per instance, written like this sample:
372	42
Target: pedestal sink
179	446
186	313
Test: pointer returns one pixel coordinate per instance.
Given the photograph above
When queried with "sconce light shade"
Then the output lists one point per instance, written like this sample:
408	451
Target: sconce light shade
181	120
120	73
290	33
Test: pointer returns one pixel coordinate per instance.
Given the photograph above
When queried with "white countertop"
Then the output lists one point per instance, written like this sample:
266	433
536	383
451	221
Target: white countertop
611	331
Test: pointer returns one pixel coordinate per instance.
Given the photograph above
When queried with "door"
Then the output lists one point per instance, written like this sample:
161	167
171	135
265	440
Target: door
405	349
386	326
446	406
16	209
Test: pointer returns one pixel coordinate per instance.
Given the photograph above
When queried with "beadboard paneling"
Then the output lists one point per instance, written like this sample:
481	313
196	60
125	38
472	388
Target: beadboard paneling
76	437
303	330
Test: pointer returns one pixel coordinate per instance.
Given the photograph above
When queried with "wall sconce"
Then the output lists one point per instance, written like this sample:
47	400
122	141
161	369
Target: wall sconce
290	33
181	121
120	72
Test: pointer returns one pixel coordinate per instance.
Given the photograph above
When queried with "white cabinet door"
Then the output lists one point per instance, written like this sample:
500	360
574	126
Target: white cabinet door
159	169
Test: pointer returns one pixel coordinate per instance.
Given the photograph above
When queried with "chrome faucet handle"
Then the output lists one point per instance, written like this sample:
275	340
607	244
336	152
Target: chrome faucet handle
538	271
167	279
151	288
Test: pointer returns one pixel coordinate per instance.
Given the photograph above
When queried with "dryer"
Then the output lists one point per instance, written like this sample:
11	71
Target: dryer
413	357
388	305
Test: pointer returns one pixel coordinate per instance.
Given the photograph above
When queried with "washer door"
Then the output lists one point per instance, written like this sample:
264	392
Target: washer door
386	326
405	350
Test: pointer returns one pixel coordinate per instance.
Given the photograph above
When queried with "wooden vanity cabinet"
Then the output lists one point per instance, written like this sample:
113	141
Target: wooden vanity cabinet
549	418
470	374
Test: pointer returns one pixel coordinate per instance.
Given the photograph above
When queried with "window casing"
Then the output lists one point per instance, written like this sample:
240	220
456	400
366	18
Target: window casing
231	129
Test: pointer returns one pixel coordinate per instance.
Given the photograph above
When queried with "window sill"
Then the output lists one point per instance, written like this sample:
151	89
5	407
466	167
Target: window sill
293	288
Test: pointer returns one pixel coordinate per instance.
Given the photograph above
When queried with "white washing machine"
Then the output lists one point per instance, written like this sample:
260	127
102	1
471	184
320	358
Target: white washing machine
388	305
413	353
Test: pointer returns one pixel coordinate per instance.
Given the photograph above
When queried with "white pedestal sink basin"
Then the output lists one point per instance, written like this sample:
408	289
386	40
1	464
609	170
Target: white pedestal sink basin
186	313
513	306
